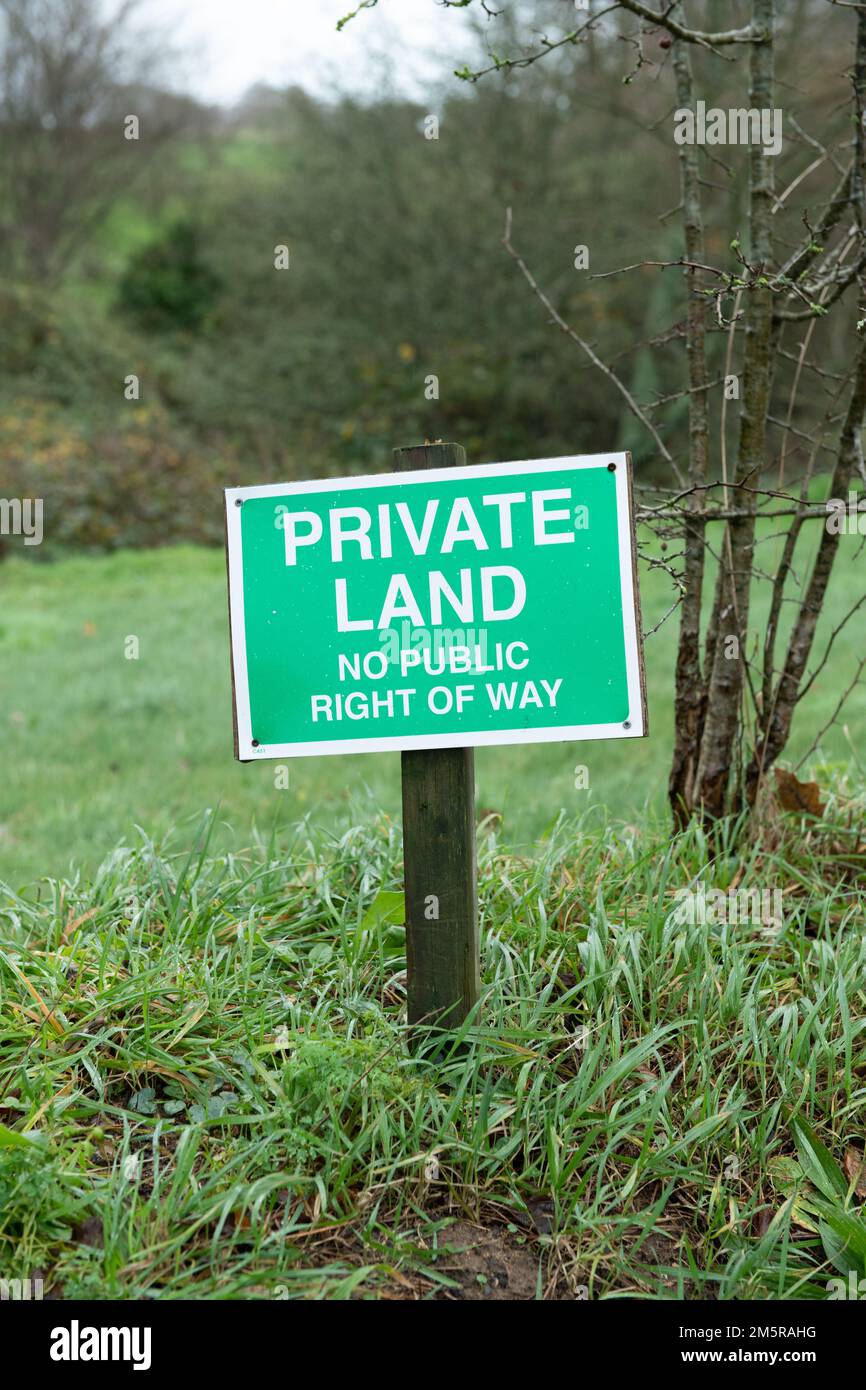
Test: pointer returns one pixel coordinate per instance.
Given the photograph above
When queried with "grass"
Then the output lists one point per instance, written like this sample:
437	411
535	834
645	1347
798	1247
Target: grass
205	1089
96	745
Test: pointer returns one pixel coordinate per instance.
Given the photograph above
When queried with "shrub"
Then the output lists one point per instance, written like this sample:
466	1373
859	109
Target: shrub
168	285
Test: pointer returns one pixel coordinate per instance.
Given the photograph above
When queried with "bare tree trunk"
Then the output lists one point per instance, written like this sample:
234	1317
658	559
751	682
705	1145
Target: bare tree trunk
690	694
803	635
724	700
779	714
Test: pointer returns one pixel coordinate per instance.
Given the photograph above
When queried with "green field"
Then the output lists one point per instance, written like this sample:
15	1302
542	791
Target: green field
97	745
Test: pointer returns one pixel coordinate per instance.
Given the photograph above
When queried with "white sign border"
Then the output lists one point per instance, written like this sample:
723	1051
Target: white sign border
247	751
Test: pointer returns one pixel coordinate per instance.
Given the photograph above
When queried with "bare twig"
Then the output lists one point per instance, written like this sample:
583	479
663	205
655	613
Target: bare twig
585	347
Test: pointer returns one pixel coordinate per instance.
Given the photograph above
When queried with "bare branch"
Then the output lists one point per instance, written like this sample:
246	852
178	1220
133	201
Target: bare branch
665	20
585	347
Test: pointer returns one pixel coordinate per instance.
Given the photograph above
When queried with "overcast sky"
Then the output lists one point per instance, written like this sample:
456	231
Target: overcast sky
235	43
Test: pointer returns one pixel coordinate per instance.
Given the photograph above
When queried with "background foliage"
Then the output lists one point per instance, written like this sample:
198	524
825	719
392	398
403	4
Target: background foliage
397	272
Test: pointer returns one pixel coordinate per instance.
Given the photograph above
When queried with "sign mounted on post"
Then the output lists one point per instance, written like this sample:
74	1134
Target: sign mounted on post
443	608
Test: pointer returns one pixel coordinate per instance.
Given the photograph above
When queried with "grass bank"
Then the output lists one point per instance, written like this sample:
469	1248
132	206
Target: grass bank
205	1089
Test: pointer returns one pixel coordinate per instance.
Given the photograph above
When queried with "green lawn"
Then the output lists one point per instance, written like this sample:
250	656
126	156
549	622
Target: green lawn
96	745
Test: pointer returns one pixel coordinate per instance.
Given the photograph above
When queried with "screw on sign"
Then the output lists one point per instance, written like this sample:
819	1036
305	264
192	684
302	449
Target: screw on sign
430	611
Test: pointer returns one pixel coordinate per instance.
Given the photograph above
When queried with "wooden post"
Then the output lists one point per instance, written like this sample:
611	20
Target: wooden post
439	852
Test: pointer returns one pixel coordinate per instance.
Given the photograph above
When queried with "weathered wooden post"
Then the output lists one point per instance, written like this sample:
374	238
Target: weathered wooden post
439	851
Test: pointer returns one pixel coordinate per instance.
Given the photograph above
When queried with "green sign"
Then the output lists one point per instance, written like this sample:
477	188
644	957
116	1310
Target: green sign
443	608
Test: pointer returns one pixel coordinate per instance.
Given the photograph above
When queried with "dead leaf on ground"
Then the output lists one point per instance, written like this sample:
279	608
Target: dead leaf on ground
854	1164
794	795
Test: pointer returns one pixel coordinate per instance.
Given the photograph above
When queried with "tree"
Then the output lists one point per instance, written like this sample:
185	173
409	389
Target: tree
80	117
733	711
